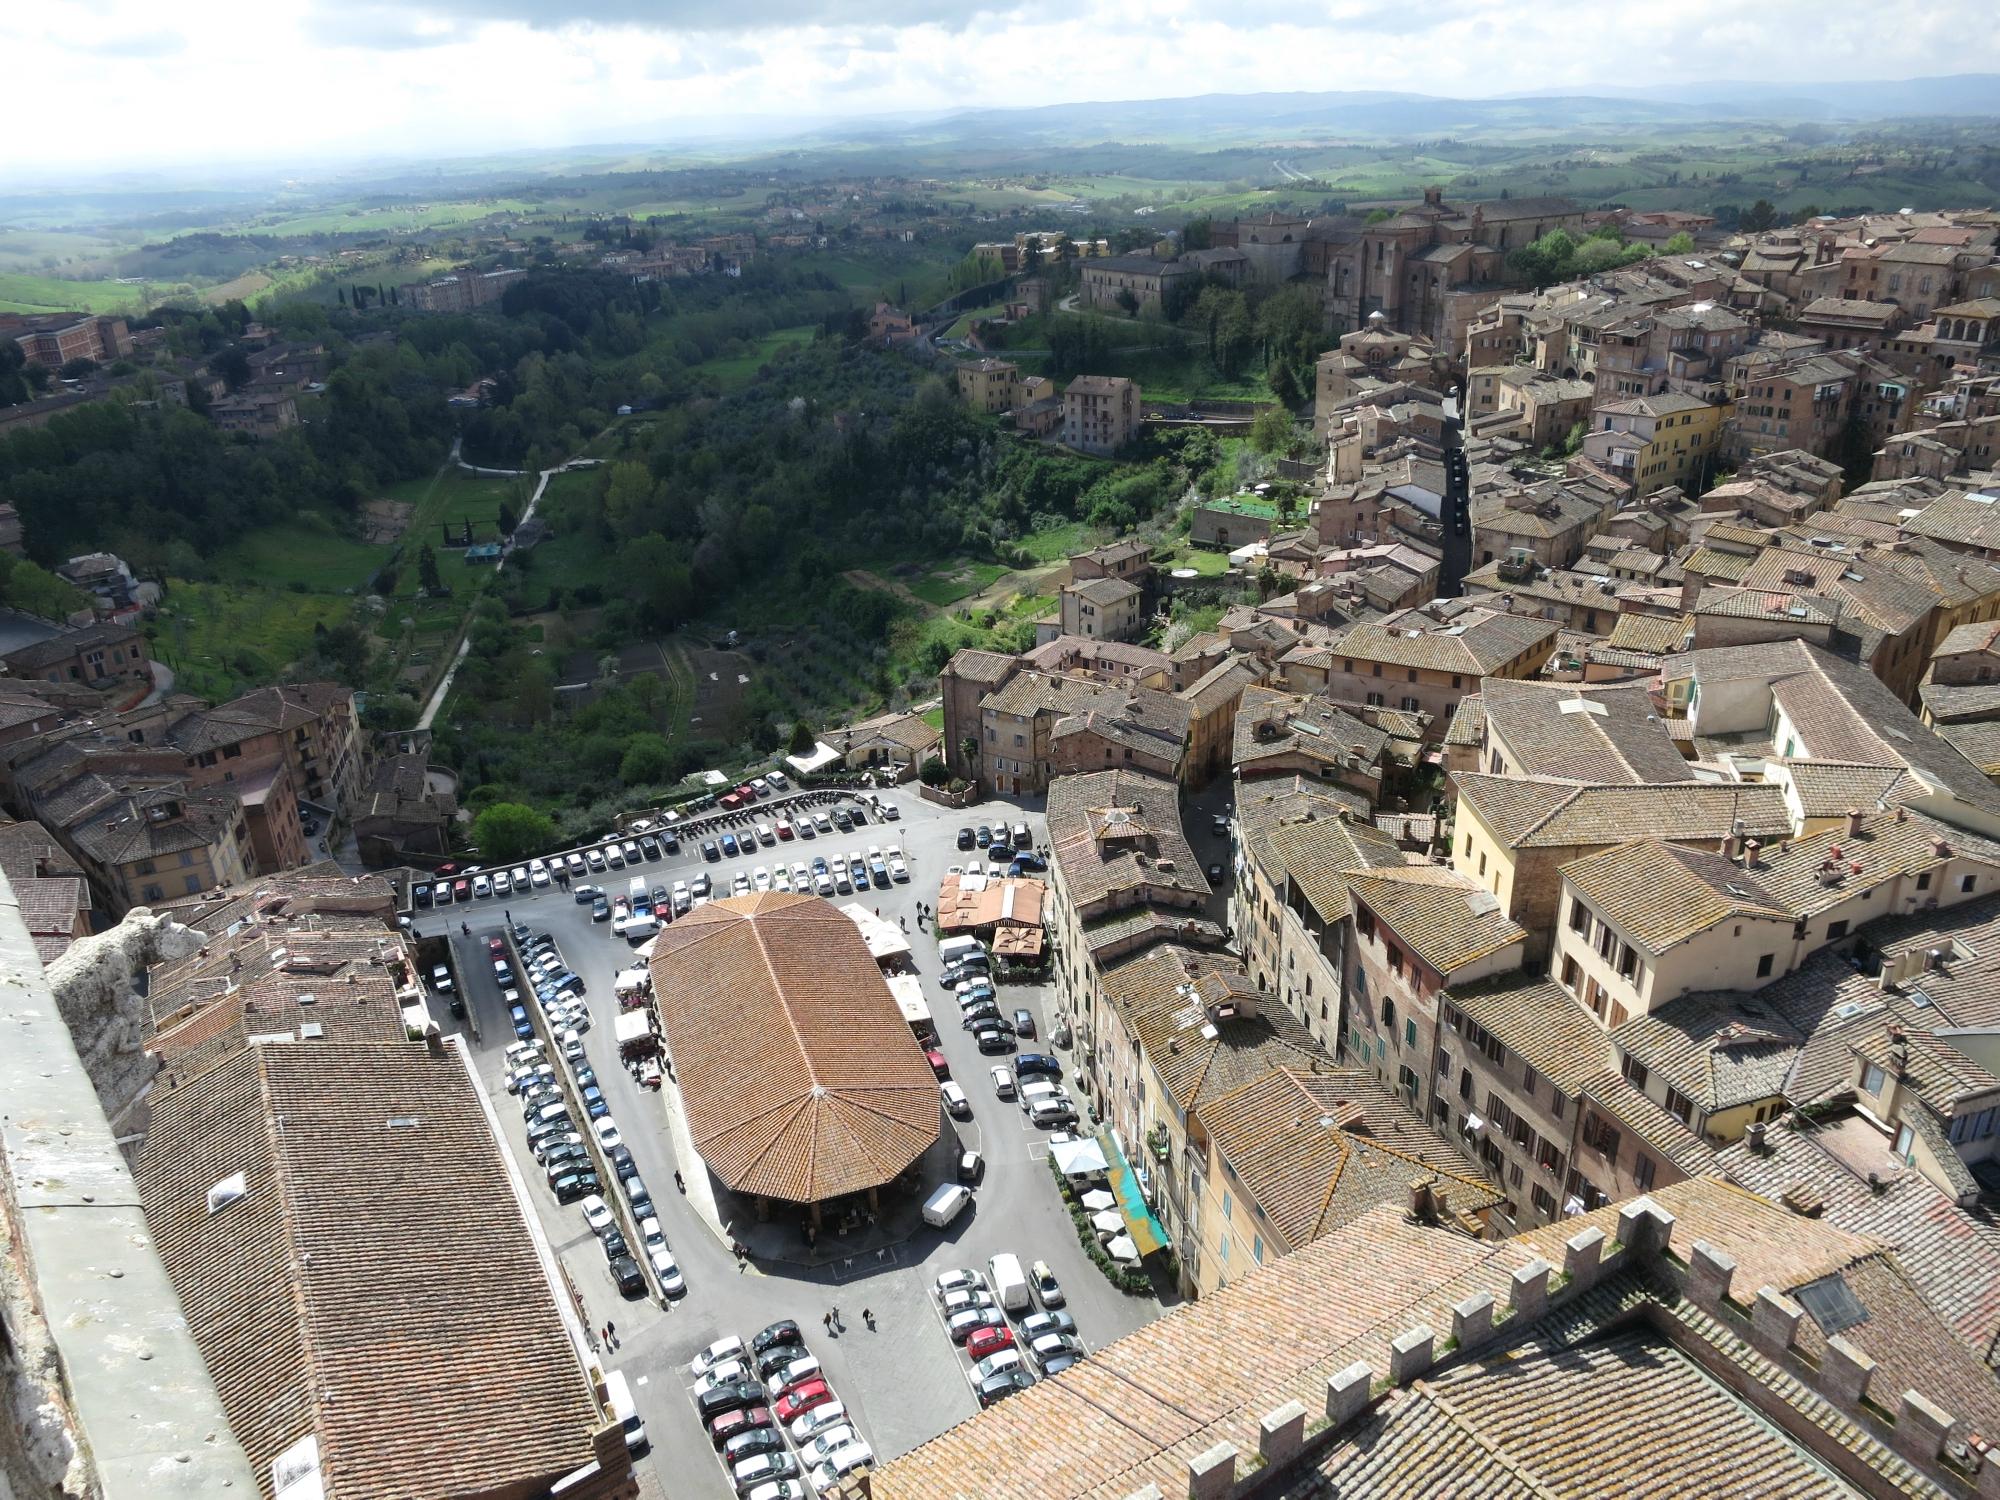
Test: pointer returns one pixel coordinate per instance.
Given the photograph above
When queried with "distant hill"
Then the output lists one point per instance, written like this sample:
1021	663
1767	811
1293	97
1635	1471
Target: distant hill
1240	118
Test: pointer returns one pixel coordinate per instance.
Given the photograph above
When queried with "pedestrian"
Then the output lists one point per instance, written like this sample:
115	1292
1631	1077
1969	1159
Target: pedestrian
828	1321
605	1334
868	1318
680	1182
508	915
611	1330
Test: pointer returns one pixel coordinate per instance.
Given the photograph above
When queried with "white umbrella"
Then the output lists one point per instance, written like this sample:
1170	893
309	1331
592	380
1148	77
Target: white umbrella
1098	1198
1122	1249
1108	1222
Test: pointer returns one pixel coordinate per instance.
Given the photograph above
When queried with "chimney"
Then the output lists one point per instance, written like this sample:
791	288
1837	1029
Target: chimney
1940	848
1750	852
1757	1137
434	1040
1423	1208
1854	822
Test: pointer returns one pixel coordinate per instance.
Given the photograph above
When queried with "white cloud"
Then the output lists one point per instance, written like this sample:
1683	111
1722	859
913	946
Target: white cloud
308	79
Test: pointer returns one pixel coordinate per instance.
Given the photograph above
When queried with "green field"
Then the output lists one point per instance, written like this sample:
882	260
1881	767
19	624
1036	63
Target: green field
34	294
1056	543
945	586
301	554
221	638
734	371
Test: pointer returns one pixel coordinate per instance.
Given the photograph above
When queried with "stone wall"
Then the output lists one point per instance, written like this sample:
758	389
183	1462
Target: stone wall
96	985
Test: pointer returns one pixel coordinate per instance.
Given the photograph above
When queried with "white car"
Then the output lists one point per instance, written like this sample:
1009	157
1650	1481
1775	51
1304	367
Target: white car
481	886
826	1414
843	1462
761	878
897	869
440	978
765	836
798	1372
1003	1083
607	1132
993	1364
782	880
520	874
576	865
538	872
667	1270
726	1373
596	1213
824	1444
960	1280
502	884
719	1352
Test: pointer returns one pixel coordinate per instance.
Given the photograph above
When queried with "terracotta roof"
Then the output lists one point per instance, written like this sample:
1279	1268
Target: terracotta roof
1653	634
375	1287
1468	722
1660	894
1544	813
1447	918
1544	1024
1667	1134
1830	788
1470	647
980	666
60	648
1294	830
1116	836
1271	724
1602	735
1103	591
1619	1419
800	1077
1718	1049
1951	1254
1805	877
1312	1151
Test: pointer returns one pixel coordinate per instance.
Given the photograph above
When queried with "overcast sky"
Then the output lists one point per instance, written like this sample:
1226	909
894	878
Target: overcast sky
124	81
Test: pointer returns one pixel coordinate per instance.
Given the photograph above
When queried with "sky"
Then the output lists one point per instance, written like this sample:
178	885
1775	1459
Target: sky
135	82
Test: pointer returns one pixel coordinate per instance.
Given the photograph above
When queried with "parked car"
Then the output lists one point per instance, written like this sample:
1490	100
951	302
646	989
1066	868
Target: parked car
988	1341
1053	1346
765	1467
966	838
964	1324
1003	1083
957	1280
955	1100
1036	1325
712	1403
932	1056
1038	1062
997	1388
751	1443
1024	1023
819	1419
742	1419
785	1331
801	1399
570	1188
971	1166
1047	1290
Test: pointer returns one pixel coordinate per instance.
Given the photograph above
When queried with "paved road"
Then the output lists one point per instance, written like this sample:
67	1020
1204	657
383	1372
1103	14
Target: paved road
905	1380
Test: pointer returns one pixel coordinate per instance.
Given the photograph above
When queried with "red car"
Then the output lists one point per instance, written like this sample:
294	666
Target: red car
462	890
495	947
794	1403
726	1426
938	1065
989	1341
732	800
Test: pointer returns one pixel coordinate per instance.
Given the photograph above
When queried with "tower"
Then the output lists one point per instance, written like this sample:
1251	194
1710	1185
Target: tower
1455	511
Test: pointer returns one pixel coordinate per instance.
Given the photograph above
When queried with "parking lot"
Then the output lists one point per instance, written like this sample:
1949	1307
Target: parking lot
903	1381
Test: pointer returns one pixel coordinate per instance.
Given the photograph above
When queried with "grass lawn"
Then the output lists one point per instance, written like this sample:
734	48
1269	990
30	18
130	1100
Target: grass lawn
934	717
1208	564
299	553
734	371
454	495
1055	544
222	638
945	587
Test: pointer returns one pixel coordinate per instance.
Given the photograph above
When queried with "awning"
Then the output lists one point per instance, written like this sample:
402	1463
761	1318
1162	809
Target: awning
1139	1221
1077	1158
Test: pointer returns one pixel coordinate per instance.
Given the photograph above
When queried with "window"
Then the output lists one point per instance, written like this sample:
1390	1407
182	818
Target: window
1444	1064
1836	930
1555	1104
1406	1081
1528	1081
1257	1248
1968	883
1872	1079
1642	1173
1579	917
1680	1106
1388	1014
1628	961
1545	1203
1514	1175
1409	1031
1764	966
1605	1138
1635	1072
1413	674
193	883
153	893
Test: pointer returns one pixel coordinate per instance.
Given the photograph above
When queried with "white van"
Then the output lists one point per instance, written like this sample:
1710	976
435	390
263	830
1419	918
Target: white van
1010	1287
618	1396
951	950
946	1204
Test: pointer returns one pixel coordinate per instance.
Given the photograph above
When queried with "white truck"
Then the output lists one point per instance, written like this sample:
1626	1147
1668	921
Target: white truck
1010	1286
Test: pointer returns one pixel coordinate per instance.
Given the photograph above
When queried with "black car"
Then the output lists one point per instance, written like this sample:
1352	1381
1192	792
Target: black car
783	1332
420	895
997	1388
858	816
978	1014
775	1358
649	846
749	1444
669	844
642	1207
984	837
841	820
994	1039
621	1161
710	850
458	1006
614	1244
600	910
735	1396
1038	1062
626	1276
1024	1023
965	838
576	1185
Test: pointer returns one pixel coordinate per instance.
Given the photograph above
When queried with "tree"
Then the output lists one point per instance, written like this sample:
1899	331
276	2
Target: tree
968	749
1223	317
1293	331
1758	217
803	739
341	293
647	761
76	369
1680	244
933	772
507	519
1272	431
1127	300
427	570
509	831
